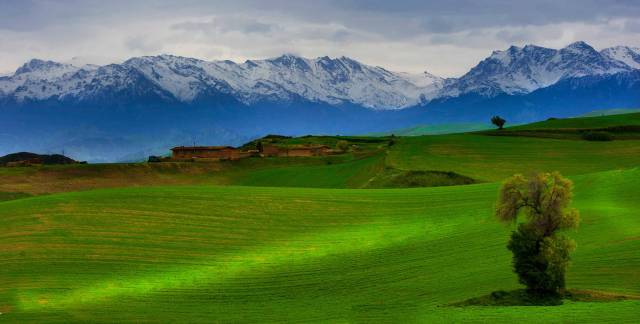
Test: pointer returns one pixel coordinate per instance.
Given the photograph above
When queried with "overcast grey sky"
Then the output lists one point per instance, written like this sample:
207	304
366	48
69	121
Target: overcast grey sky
444	37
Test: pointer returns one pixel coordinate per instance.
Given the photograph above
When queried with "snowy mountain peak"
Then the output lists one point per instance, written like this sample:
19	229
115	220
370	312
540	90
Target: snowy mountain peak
532	47
288	78
628	55
579	46
37	65
281	79
522	70
286	58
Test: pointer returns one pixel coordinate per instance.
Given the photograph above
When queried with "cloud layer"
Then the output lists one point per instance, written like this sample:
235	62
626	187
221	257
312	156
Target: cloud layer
404	35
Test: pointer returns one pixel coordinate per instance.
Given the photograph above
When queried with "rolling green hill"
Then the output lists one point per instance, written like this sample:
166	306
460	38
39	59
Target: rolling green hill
583	122
605	112
304	239
197	253
436	129
614	127
477	156
493	158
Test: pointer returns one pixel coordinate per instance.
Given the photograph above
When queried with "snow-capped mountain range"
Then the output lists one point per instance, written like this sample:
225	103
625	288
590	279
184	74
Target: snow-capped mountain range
285	78
517	70
145	105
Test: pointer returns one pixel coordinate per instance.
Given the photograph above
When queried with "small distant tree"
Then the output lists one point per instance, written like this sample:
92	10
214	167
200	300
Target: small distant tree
392	139
540	253
498	121
342	145
259	146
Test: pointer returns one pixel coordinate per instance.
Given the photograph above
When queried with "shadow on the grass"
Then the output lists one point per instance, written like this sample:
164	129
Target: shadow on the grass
521	297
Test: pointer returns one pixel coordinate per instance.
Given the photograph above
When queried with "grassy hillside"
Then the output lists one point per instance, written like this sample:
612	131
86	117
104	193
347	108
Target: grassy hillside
377	165
615	127
583	122
605	112
436	129
493	158
62	178
468	155
196	253
12	195
234	241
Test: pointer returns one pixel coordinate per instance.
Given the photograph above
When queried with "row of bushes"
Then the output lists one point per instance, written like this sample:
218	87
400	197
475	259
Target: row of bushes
597	136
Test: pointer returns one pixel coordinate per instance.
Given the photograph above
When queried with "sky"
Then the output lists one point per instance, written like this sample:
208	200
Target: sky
445	38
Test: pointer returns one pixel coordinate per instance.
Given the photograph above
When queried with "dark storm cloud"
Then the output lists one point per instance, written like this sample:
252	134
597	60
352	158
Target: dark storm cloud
435	16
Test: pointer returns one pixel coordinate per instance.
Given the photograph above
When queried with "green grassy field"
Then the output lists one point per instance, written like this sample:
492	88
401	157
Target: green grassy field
437	129
192	253
480	157
493	158
617	127
615	111
298	239
584	122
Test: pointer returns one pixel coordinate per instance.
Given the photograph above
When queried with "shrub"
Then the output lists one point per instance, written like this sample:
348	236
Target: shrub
342	145
597	136
392	142
419	178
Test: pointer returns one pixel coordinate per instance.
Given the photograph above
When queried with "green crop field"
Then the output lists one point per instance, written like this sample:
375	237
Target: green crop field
480	157
614	111
192	253
493	158
618	127
437	129
306	240
584	122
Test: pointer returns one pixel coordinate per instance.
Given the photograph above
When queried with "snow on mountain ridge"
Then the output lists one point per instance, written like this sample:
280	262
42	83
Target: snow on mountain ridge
520	70
334	81
284	79
628	55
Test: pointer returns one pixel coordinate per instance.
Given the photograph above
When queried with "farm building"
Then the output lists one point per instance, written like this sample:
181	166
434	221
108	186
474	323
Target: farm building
295	151
183	153
271	150
309	150
207	152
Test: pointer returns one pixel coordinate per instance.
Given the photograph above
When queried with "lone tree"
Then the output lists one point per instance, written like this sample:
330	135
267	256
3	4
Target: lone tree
498	121
392	139
540	253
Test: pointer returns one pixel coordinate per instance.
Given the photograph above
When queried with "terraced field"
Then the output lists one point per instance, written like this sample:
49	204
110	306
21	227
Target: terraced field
202	253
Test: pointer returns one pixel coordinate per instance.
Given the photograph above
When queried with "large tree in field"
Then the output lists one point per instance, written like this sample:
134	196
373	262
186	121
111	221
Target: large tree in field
540	252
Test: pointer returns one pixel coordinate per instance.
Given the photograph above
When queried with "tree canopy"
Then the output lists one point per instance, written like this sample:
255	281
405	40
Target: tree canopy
540	254
498	121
